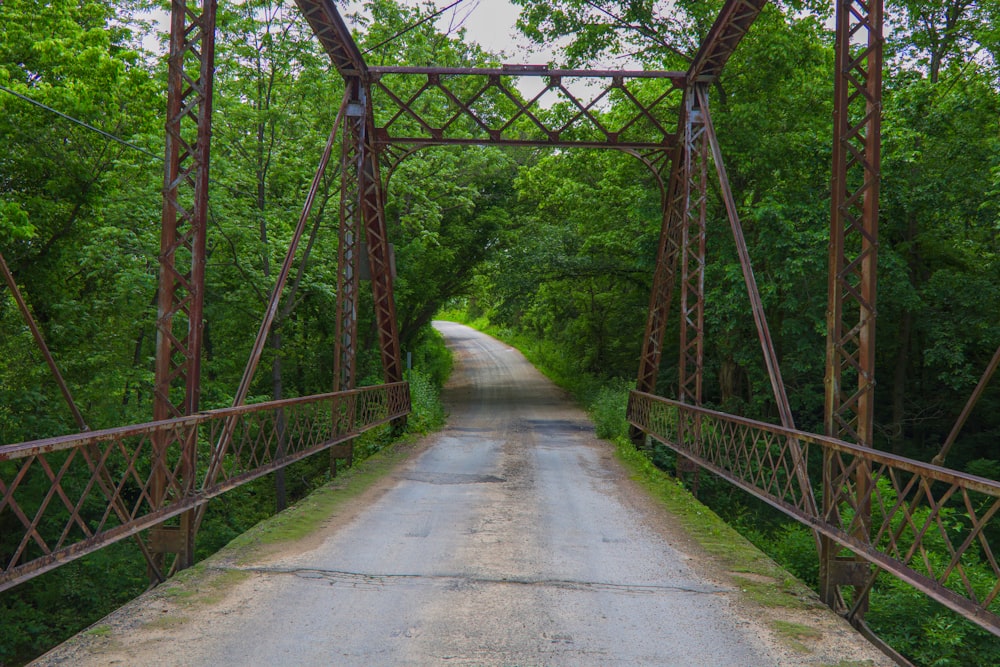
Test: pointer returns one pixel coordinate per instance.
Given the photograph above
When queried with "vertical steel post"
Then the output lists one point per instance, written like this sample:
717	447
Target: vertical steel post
373	209
692	328
352	154
692	247
179	325
664	277
850	358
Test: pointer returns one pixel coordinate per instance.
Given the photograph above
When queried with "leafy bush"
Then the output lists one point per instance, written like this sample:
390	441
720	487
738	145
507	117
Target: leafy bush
428	411
432	358
607	410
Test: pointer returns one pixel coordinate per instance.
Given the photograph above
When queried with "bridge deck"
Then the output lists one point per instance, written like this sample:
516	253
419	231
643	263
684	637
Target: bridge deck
512	537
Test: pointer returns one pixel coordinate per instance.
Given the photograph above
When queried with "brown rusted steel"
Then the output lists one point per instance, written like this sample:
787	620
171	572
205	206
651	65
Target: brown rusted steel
36	333
756	305
690	367
664	278
185	205
677	79
275	297
335	37
222	445
179	321
967	410
756	457
373	213
727	32
101	483
426	105
939	458
850	363
692	329
349	232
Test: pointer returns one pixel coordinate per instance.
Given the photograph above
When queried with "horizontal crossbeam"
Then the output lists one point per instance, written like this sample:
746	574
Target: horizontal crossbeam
428	105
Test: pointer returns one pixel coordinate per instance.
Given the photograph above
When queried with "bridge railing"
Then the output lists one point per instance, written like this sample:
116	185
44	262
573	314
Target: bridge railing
932	527
65	497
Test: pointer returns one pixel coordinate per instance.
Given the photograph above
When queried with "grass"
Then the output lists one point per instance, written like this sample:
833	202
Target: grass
794	633
102	630
766	583
310	513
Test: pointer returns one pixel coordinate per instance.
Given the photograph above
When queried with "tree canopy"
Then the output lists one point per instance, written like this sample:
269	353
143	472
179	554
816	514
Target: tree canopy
557	245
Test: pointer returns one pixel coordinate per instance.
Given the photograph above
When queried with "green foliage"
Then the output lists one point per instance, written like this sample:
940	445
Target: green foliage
552	250
607	410
428	411
432	357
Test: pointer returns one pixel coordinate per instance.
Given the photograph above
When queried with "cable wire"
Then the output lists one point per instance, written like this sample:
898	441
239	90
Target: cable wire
82	123
413	26
232	189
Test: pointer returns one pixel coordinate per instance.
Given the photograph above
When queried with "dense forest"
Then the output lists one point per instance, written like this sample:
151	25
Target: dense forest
553	247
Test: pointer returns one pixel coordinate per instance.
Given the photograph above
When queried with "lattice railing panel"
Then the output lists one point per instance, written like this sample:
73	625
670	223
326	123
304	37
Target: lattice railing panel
932	527
65	497
570	108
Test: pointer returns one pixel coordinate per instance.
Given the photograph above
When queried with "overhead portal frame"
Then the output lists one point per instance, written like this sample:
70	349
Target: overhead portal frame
667	126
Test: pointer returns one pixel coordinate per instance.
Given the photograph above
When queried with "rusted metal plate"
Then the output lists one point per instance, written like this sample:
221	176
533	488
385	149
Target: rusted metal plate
166	540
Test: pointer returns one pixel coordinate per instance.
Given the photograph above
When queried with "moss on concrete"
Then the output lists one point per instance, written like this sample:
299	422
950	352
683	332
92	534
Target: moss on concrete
306	516
761	579
102	630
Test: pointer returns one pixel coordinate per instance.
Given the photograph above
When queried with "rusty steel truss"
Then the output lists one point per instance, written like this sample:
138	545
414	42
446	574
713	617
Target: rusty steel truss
107	485
876	513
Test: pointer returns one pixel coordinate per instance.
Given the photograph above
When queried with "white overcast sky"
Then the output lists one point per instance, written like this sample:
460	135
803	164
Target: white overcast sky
490	23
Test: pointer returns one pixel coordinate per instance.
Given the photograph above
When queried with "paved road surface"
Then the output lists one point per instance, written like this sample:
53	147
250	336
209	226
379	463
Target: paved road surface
513	539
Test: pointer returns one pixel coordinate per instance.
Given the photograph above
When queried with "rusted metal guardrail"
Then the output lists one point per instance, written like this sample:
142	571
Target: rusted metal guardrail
65	497
930	526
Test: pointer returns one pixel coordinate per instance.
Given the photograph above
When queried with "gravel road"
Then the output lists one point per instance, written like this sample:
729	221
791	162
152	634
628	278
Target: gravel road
513	537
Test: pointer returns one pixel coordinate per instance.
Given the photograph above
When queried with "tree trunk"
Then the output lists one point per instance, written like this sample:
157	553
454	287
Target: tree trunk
899	377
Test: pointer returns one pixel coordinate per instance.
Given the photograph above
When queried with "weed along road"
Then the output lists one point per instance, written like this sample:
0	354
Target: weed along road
511	537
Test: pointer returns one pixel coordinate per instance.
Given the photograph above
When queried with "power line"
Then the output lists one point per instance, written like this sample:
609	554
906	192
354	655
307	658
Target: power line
108	135
413	26
82	123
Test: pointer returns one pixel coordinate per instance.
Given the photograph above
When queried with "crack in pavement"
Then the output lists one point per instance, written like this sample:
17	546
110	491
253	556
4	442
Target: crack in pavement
458	581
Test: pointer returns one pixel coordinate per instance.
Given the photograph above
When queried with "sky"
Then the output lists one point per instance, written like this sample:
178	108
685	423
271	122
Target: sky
490	23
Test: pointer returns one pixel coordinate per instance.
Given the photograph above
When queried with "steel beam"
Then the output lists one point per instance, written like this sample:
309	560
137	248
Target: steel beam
757	306
692	324
727	32
452	106
181	293
333	34
29	319
664	279
373	212
850	350
690	368
349	235
967	410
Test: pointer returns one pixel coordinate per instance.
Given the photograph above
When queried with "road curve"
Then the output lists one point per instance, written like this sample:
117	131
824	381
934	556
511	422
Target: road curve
509	540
